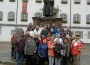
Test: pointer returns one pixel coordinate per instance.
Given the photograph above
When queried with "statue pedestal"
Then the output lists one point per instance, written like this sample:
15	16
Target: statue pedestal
46	20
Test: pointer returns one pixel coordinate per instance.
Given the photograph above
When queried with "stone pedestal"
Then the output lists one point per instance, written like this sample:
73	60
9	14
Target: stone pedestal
45	21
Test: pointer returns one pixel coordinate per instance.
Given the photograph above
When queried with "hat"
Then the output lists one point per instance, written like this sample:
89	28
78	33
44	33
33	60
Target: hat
77	34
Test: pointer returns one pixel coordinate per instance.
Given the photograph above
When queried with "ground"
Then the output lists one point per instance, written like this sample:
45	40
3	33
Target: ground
5	58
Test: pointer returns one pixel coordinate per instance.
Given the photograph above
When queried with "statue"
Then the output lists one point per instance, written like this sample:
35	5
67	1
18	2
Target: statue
48	8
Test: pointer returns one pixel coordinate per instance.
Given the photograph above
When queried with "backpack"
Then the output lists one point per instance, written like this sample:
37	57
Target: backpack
20	46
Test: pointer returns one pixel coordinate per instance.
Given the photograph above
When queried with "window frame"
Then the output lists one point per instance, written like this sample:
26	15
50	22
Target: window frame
64	1
64	16
77	1
88	2
88	35
12	32
77	18
88	19
1	15
24	17
1	0
38	14
11	0
0	30
80	33
25	0
11	16
39	1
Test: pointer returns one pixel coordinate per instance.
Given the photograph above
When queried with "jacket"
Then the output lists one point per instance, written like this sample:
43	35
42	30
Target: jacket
75	46
57	50
43	50
30	47
66	47
51	48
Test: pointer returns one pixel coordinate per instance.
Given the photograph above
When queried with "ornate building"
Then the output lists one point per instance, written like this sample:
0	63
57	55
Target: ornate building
19	13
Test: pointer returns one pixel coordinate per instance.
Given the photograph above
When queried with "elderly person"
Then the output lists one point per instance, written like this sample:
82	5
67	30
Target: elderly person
43	52
76	48
30	49
58	38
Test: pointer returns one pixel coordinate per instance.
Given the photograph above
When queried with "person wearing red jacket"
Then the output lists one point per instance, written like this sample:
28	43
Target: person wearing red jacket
76	48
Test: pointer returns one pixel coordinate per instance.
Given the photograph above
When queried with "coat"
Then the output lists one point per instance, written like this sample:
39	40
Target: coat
30	47
75	47
43	50
57	50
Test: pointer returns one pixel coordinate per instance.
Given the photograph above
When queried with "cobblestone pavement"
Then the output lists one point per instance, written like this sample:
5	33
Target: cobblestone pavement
5	56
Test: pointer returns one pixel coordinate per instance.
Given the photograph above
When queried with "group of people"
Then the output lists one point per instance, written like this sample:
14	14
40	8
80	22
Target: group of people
46	44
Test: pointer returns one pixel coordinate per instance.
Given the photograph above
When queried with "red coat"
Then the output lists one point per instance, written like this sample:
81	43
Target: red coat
75	47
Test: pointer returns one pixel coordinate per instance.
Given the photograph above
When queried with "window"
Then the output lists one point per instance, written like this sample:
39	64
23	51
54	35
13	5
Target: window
64	1
1	16
11	16
77	1
0	30
88	19
38	14
76	18
24	0
38	1
88	34
64	17
88	2
1	0
12	0
80	33
24	16
12	32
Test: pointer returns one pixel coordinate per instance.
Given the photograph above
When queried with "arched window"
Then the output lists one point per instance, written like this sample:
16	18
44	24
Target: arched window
88	19
1	16
76	18
77	1
38	14
11	16
64	17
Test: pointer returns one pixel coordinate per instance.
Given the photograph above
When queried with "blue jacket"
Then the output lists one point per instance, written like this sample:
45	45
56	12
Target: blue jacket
54	30
43	50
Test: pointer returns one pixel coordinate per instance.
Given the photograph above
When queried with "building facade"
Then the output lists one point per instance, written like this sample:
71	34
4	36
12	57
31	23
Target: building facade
19	13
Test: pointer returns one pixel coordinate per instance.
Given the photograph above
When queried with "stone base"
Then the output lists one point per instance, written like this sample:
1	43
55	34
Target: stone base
45	21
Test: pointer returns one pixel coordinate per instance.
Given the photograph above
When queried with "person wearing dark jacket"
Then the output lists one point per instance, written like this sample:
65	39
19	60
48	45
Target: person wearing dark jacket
44	32
57	51
66	47
20	49
43	52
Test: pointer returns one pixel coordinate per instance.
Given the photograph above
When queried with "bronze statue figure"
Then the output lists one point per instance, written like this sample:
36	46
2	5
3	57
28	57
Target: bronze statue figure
48	8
